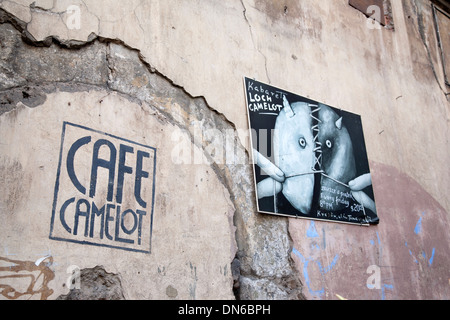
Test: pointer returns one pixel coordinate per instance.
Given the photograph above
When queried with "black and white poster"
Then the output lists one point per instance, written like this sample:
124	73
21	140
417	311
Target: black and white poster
310	159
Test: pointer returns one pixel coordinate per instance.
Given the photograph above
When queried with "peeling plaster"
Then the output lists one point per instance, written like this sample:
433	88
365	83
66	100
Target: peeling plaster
118	59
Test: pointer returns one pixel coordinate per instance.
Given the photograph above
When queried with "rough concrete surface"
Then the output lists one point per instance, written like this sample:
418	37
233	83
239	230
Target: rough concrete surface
168	74
117	68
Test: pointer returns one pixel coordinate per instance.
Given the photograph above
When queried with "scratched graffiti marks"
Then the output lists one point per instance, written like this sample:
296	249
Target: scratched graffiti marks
333	263
25	279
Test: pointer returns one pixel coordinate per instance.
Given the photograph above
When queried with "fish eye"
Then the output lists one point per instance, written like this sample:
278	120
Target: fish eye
302	143
329	144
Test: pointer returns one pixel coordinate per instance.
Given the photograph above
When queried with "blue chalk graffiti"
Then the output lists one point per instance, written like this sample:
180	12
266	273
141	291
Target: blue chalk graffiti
323	271
383	290
312	232
417	230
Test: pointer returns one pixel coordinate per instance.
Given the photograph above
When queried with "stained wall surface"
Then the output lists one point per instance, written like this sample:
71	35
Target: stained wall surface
160	85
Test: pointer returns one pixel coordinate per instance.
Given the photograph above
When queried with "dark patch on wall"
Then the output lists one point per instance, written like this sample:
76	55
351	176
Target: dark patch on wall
37	275
417	233
96	284
364	5
276	10
308	21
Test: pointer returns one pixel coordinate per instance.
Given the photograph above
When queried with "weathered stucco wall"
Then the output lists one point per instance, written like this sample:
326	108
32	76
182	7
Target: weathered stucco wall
168	74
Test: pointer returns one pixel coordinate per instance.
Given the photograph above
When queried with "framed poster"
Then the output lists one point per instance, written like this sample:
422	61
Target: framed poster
309	159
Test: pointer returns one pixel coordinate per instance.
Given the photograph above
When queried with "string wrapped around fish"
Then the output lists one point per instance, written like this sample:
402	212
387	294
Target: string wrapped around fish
311	142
